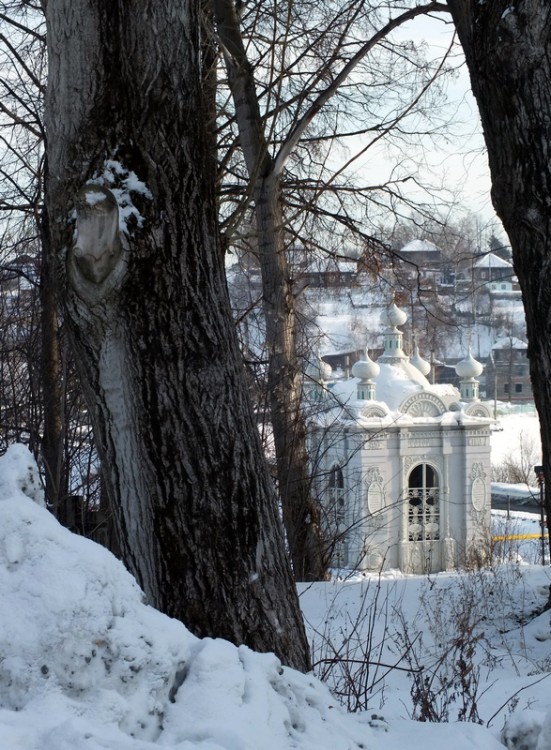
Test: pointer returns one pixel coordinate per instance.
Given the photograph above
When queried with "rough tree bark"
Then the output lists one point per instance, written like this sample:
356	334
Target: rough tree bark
507	46
151	324
53	448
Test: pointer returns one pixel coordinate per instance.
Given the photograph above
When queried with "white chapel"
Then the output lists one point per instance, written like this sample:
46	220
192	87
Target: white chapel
402	466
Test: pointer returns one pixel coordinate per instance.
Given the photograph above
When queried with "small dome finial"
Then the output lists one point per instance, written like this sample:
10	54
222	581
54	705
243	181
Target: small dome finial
395	316
417	360
366	370
469	367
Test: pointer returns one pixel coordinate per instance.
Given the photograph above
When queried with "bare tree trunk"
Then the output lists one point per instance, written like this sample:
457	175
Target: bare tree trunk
53	440
508	51
151	322
300	509
301	512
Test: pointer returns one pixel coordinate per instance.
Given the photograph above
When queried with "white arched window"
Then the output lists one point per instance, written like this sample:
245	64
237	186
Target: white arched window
423	504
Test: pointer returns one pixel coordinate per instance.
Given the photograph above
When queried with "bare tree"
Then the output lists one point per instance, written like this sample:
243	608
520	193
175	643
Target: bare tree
282	115
150	320
22	87
508	51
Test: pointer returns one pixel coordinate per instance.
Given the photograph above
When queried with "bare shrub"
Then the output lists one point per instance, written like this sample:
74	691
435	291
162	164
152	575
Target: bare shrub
445	676
350	660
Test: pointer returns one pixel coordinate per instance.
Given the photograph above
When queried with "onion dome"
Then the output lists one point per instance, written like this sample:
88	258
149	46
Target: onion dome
421	364
395	316
393	337
469	367
366	369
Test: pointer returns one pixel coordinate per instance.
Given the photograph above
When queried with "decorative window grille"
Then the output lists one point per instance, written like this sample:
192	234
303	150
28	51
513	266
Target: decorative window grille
423	504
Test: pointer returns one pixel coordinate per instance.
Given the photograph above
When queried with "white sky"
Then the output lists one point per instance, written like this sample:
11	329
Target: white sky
457	161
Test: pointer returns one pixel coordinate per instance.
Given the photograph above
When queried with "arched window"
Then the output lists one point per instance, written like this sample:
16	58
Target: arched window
337	514
423	504
336	483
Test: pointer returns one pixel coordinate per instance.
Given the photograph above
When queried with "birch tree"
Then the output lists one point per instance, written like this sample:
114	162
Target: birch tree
132	216
507	46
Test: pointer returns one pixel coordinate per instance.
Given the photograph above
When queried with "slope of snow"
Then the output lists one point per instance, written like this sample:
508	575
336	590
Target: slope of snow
86	664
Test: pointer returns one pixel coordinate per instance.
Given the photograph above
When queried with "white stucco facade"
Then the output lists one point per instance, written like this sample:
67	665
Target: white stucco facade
402	466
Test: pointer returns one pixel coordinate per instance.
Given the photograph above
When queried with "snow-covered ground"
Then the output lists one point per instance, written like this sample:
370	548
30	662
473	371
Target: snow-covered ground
85	664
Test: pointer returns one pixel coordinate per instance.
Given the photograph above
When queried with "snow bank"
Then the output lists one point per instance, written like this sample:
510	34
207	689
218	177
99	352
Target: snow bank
86	664
75	637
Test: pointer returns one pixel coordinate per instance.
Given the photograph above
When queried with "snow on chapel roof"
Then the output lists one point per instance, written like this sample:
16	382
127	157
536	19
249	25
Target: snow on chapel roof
397	378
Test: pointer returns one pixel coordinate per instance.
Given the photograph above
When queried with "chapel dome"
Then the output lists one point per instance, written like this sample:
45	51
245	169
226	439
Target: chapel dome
421	364
366	369
395	317
469	367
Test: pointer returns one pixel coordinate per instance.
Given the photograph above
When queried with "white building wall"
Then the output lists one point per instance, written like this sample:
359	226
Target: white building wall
376	465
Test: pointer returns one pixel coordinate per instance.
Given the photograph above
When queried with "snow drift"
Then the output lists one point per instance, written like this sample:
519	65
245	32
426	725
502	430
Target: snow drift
85	663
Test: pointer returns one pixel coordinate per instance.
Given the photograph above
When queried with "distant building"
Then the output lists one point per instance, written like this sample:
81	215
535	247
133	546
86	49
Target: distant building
421	259
328	272
495	273
508	371
402	466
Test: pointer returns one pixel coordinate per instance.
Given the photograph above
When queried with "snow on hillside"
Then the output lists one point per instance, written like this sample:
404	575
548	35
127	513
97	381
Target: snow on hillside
85	664
354	318
518	434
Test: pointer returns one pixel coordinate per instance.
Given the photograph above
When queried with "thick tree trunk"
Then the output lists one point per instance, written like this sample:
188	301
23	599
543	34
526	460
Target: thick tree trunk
301	511
508	50
151	322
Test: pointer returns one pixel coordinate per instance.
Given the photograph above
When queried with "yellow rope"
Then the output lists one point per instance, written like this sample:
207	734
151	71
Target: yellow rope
516	537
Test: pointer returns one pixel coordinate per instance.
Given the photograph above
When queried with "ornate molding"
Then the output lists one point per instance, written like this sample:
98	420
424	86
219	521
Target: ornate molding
423	405
478	410
410	461
477	471
373	474
477	441
373	412
479	494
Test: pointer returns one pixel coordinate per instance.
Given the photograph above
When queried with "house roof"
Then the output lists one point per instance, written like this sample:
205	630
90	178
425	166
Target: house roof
510	342
489	260
420	246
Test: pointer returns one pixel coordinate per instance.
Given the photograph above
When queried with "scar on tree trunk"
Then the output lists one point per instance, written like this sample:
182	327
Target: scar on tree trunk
98	248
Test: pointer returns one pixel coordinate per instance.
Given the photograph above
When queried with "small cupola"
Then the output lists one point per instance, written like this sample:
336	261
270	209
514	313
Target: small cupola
366	370
467	371
392	335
